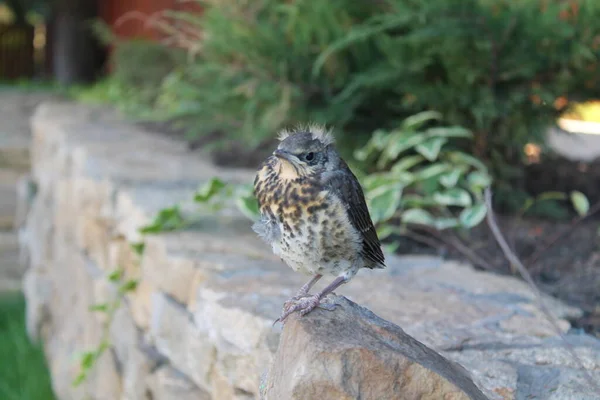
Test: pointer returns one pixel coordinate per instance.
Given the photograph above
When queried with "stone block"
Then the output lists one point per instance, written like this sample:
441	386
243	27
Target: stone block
11	269
140	303
186	345
169	273
177	263
167	383
135	365
8	197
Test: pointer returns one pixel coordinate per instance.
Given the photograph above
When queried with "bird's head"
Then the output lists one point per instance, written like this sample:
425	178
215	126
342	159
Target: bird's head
305	151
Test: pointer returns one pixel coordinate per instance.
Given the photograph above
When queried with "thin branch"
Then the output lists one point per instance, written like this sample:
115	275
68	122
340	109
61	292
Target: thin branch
417	237
514	260
461	248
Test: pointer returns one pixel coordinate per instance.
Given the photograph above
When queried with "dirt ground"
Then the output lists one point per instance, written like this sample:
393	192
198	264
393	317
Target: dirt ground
564	259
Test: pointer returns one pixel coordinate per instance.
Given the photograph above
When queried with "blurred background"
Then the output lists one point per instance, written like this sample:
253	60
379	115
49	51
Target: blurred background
431	101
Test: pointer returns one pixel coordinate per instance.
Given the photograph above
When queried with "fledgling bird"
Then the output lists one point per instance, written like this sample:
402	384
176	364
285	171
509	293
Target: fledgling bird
314	214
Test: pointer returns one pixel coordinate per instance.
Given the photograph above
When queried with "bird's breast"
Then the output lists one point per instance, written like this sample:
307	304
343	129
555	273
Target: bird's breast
316	234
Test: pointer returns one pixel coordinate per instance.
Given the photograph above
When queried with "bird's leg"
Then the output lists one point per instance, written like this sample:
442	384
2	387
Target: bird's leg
306	304
339	281
302	292
308	285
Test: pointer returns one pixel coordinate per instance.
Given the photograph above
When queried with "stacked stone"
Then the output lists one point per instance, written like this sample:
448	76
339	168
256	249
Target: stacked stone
15	111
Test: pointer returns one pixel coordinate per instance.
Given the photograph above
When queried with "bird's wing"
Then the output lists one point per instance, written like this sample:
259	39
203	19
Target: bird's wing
345	186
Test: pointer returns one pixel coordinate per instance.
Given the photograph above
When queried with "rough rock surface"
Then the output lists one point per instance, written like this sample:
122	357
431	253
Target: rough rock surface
201	315
15	137
353	354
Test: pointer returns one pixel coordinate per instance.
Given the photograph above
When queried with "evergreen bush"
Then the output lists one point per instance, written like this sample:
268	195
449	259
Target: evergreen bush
503	69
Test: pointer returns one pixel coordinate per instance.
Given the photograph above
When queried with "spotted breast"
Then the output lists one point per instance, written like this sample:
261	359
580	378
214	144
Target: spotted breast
306	225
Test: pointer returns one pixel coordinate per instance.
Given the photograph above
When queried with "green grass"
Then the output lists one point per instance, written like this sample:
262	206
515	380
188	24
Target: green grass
23	371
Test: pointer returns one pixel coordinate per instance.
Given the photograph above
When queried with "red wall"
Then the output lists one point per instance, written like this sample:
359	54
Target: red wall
125	16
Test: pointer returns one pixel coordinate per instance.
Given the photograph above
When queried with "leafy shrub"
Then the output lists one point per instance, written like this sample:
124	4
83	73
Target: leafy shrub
254	67
144	64
138	68
495	67
419	176
499	68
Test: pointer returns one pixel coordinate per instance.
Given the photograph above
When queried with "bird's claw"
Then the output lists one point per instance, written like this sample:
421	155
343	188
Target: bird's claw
303	305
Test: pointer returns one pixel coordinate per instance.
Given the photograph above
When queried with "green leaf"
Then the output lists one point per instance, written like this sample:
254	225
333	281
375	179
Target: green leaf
453	197
445	223
451	178
527	205
363	153
391	247
404	178
449	132
417	201
116	275
431	148
103	307
551	196
580	202
418	216
478	179
406	163
79	379
379	140
458	157
385	230
248	205
384	201
209	190
138	248
87	359
416	121
431	171
128	286
168	219
378	180
400	144
472	216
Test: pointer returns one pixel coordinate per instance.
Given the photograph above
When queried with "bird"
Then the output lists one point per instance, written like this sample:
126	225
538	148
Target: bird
314	215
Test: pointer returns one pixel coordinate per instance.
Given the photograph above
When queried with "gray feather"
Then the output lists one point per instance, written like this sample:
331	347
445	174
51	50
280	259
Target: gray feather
267	229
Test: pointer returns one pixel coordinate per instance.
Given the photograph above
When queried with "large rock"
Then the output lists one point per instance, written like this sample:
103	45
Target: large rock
351	353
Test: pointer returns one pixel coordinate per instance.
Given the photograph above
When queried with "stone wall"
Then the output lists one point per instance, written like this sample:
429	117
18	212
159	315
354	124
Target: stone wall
15	110
199	324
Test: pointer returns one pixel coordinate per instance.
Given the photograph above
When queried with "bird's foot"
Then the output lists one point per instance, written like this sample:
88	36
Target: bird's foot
292	302
304	305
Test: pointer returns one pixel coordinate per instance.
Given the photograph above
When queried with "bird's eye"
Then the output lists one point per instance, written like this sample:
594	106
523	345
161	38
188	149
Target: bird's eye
309	156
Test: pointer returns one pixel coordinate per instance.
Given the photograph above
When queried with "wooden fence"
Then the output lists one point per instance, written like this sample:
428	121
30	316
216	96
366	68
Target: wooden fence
16	52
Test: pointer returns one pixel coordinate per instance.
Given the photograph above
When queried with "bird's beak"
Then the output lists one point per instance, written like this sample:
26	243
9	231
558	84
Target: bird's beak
284	155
